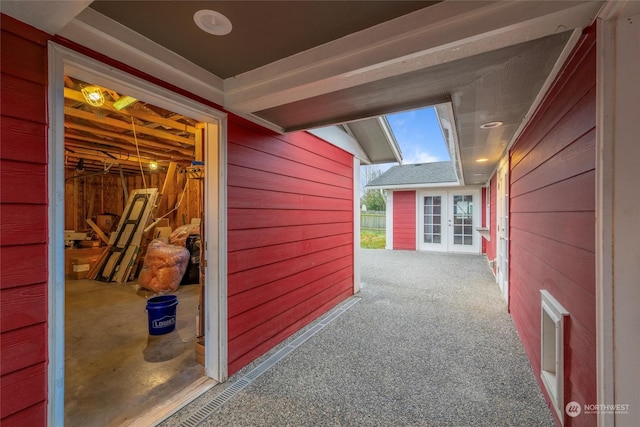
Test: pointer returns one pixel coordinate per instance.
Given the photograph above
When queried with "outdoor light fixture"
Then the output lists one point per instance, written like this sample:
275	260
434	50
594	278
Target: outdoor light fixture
153	165
491	125
93	95
212	22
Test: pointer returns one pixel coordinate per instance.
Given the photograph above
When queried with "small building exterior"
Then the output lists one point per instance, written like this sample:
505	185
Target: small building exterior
561	206
428	210
286	246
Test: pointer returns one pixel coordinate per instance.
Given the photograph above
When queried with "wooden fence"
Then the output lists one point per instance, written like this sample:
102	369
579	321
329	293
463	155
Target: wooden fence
373	221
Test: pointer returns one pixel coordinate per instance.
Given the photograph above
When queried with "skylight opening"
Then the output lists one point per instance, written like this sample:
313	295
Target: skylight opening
419	135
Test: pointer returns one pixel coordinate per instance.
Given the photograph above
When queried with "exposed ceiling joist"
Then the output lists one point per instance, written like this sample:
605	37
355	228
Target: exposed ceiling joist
133	137
155	118
91	116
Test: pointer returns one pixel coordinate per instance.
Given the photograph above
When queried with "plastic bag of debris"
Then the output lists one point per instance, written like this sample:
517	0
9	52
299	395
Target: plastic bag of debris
180	234
163	268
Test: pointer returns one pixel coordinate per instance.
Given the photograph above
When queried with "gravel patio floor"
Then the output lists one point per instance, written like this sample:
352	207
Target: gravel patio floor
427	342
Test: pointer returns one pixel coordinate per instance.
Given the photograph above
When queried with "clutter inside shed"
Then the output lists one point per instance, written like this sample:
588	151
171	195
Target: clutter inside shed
134	182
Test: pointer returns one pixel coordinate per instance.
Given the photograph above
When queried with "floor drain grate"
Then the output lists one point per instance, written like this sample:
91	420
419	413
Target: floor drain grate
214	405
205	411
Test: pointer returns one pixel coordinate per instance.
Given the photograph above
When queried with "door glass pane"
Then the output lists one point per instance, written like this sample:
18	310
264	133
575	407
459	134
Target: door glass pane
432	219
463	220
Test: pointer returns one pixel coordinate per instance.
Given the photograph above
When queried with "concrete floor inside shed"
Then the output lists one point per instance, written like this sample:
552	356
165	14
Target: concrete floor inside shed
114	370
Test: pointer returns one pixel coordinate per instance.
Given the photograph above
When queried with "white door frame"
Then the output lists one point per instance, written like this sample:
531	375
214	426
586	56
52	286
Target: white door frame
502	232
477	221
617	211
443	245
447	226
62	60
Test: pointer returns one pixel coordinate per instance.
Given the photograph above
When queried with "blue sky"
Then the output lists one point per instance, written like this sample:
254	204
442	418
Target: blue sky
419	136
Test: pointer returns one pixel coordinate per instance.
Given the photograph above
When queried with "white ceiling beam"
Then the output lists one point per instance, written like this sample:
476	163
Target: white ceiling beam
445	32
47	15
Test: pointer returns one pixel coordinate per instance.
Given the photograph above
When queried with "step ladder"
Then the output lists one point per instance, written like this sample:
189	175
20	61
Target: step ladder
123	248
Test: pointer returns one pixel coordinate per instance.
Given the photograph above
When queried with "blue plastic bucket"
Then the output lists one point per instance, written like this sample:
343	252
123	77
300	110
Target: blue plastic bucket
162	314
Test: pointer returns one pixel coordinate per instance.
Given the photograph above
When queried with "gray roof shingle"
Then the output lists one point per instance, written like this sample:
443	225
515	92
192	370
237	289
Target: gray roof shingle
420	173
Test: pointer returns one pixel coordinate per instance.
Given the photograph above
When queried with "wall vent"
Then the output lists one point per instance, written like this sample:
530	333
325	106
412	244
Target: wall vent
552	319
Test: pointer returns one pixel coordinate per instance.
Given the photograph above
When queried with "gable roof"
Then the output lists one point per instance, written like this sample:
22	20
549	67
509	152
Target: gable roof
416	175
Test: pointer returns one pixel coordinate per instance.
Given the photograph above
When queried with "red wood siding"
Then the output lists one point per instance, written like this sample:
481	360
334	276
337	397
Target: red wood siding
23	231
552	234
290	236
290	228
490	248
404	220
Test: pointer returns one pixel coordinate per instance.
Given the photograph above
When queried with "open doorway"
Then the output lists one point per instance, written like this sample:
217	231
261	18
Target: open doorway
133	163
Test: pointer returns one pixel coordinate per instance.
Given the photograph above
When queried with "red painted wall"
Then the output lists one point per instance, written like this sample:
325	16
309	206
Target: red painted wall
290	212
404	220
23	230
553	222
290	228
490	247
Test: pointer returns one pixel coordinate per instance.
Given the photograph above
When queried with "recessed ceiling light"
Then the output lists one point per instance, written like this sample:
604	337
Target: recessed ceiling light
491	125
212	22
482	160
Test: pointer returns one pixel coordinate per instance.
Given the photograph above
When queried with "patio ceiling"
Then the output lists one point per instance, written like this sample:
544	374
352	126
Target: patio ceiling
302	65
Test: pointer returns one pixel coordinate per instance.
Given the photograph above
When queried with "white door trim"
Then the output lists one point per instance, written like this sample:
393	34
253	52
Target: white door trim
502	225
447	244
444	216
62	60
617	201
477	220
356	225
389	221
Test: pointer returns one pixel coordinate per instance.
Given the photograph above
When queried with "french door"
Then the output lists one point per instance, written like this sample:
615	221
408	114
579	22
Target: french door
432	235
448	220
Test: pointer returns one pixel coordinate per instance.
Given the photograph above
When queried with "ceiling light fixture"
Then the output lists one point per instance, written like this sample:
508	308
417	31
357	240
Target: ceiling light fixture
153	165
212	22
491	125
482	160
93	95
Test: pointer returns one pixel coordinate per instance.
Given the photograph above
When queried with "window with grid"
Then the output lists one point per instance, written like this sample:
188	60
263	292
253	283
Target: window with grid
432	219
463	220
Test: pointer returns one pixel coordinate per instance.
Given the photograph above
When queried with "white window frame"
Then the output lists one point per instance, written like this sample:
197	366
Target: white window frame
552	316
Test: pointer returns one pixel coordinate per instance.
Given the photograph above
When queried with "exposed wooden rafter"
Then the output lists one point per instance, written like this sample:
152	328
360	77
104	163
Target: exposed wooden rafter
132	137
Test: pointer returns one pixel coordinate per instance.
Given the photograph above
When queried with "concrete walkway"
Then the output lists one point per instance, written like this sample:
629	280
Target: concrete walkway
429	343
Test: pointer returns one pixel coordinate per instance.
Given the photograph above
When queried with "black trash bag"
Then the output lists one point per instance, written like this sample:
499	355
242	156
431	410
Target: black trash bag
192	274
